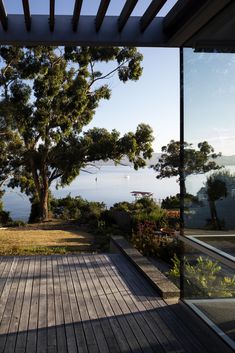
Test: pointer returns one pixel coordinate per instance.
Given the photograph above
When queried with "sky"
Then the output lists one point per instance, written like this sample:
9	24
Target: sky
209	87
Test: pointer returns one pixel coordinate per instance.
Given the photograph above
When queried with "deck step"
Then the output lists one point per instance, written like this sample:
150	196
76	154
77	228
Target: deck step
165	288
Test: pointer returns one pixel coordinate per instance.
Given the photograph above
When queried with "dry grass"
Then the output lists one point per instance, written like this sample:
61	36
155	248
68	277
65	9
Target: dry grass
53	238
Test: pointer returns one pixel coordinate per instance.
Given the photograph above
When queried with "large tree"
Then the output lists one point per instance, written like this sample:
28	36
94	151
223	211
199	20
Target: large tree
196	161
48	95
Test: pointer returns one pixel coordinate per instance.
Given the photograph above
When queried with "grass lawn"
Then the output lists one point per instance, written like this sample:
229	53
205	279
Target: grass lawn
48	238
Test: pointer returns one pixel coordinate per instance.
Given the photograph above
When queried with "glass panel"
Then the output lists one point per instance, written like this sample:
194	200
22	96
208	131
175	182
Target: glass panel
209	86
209	288
209	127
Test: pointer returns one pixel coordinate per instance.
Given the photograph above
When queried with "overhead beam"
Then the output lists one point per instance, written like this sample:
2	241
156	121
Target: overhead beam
150	13
76	14
52	15
3	16
180	27
27	16
126	12
104	4
87	35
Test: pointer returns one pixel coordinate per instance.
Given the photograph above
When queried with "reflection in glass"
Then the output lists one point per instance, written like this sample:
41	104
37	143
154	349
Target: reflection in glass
209	215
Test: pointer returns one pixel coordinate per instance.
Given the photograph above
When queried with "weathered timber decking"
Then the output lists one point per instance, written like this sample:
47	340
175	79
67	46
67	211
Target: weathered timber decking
90	303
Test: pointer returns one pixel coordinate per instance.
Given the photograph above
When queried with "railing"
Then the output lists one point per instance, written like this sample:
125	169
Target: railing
208	285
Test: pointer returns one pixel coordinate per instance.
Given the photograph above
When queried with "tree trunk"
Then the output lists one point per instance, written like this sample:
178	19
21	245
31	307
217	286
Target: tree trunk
214	216
44	205
44	195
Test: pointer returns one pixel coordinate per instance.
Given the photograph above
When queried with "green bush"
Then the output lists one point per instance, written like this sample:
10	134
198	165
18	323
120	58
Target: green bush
205	278
16	224
76	208
5	218
147	240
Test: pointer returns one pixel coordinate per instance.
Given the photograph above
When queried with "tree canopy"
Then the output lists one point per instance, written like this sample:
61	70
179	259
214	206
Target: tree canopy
196	161
48	95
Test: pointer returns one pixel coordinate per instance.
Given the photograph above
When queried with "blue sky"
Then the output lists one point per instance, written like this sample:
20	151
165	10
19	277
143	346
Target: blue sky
210	99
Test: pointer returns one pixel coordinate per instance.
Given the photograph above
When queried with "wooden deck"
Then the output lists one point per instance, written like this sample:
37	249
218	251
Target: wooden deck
89	303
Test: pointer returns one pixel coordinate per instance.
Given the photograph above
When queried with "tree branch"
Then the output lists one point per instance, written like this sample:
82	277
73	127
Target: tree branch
108	74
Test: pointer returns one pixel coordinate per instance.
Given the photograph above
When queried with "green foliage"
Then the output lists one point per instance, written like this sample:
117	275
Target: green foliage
150	243
48	95
144	209
205	278
195	161
76	208
173	202
123	206
5	218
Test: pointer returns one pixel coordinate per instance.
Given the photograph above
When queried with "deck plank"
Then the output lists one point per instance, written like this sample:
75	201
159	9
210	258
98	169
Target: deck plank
51	317
59	313
93	316
76	317
16	313
145	325
25	313
110	335
31	343
9	305
86	322
96	303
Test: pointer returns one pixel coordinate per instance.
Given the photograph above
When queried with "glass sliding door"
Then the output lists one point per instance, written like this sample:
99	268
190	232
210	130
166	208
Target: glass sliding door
209	200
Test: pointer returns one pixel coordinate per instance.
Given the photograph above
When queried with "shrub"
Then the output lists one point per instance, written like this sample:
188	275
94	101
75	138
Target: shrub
5	218
152	243
76	208
204	278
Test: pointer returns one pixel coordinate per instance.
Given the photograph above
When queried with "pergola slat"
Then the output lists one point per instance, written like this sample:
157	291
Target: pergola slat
150	13
101	13
76	14
52	15
126	12
3	16
27	16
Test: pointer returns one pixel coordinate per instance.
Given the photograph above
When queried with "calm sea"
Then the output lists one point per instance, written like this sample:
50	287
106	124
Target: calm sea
109	184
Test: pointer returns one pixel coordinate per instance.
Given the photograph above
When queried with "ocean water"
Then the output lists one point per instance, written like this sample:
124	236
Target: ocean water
109	184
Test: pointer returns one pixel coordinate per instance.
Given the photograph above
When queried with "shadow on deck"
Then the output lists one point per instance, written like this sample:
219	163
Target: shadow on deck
91	303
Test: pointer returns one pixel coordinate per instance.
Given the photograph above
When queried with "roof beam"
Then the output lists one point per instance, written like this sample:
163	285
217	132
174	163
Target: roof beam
3	16
150	13
52	15
76	14
87	35
27	16
101	13
126	12
181	24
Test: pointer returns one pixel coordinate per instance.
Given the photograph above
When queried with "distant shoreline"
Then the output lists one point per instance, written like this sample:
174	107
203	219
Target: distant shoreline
221	161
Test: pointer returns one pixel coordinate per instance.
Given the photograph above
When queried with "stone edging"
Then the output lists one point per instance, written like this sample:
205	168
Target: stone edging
162	284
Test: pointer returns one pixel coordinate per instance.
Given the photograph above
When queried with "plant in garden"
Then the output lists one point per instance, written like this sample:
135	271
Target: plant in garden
143	238
203	278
